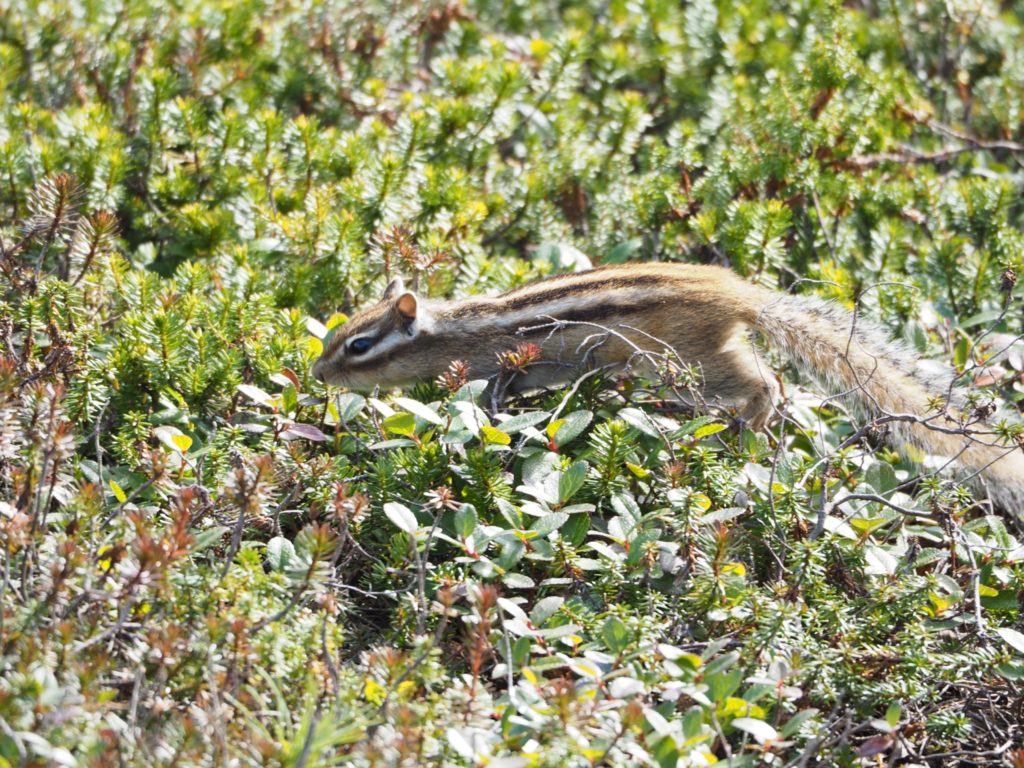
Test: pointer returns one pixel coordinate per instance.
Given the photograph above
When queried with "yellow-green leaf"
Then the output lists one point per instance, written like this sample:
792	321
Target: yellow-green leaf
494	435
864	525
637	470
119	494
701	502
400	424
692	659
708	429
737	706
738	568
942	603
314	346
182	442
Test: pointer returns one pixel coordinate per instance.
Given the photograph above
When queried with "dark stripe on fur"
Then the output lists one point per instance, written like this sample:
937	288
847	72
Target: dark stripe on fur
511	302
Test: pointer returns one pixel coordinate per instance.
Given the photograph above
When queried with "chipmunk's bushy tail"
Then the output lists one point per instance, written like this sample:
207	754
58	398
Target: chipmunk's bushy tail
882	377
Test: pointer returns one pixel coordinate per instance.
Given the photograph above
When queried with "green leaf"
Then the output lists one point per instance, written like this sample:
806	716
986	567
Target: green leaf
892	714
280	554
1002	600
465	521
572	480
387	445
1012	637
792	725
987	318
576	529
257	395
562	256
1011	671
471	391
693	723
512	551
471	415
523	421
721	663
517	581
722	685
173	438
494	436
962	352
401	516
119	494
625	505
400	424
755	443
548	523
512	515
881	477
289	399
640	421
520	651
298	431
707	430
417	408
545	608
571	427
666	753
615	635
623	252
182	442
692	426
350	405
759	729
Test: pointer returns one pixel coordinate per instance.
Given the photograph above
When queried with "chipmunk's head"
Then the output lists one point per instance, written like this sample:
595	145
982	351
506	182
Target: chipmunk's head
374	347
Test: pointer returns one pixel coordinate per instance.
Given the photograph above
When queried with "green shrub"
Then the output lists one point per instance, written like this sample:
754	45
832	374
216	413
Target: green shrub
209	559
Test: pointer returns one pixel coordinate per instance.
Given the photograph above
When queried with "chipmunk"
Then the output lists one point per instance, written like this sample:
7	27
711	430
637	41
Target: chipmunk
604	316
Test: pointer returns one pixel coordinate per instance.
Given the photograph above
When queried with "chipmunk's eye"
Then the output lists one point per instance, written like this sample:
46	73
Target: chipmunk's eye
360	346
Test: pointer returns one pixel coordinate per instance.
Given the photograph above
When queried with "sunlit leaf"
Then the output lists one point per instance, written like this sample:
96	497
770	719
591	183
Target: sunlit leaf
401	516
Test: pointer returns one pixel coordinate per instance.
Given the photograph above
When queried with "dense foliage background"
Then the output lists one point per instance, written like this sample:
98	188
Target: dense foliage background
208	559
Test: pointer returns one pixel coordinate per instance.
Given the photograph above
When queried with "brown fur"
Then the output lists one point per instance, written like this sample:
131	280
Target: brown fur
702	313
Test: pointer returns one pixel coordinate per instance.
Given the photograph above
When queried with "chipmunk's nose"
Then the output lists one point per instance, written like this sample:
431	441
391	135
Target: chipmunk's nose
318	371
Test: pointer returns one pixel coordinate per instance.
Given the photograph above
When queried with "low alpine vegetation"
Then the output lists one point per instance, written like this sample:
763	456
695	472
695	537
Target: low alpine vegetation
209	558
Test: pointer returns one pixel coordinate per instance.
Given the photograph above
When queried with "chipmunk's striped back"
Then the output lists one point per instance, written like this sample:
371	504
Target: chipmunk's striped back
430	334
627	316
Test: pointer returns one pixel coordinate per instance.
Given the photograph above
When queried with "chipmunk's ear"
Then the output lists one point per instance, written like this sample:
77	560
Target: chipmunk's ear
406	306
395	287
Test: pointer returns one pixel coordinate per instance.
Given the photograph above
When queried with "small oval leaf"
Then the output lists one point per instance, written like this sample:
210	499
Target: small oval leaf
417	408
494	436
707	430
1013	638
400	424
256	394
280	553
401	516
572	426
118	492
303	432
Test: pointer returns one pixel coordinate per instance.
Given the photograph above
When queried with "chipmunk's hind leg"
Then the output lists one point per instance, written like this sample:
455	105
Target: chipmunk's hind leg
738	379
